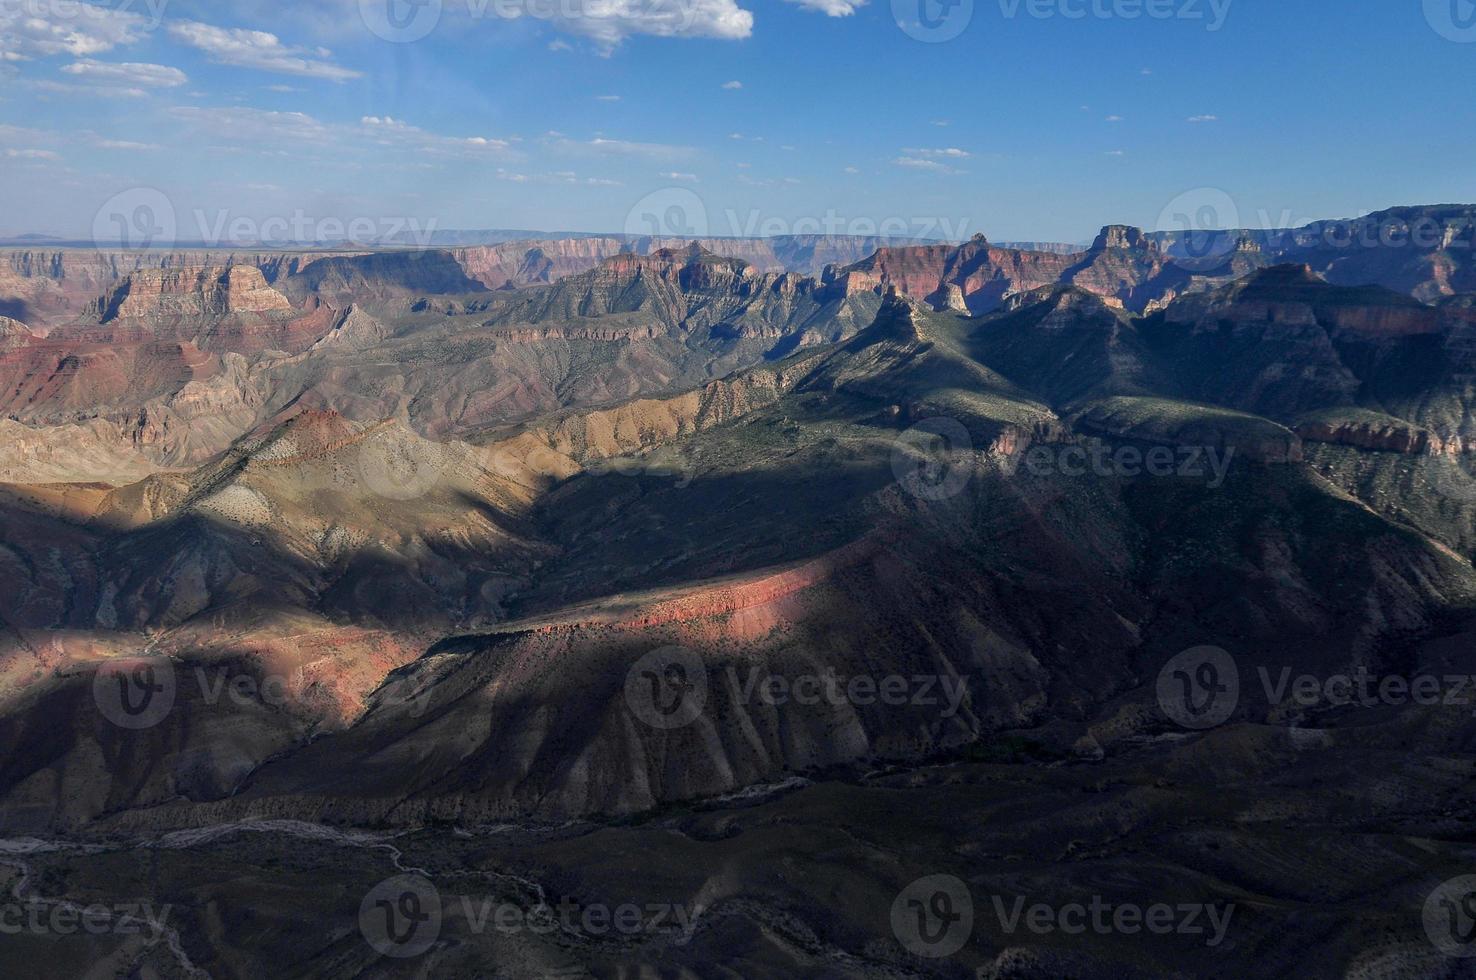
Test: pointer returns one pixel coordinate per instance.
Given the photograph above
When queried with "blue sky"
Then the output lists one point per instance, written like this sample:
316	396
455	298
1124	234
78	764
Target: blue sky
1041	119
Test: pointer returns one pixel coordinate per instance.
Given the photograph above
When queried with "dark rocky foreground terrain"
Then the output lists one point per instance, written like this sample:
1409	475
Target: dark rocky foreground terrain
959	611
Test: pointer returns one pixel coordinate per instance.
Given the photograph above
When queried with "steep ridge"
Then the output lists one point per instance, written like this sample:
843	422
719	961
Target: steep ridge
13	334
791	548
1123	266
689	291
1284	341
795	515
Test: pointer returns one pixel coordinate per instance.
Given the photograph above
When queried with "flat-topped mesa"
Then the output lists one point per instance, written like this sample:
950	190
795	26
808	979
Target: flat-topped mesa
687	265
1123	236
201	291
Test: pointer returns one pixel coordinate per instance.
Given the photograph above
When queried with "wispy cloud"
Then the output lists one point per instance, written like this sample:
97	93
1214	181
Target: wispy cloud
947	152
733	86
258	49
53	87
676	175
1204	119
604	146
919	163
387	130
559	177
830	8
112	144
132	74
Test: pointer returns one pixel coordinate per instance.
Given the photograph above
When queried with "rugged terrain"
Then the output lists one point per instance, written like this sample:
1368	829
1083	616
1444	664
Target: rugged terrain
332	567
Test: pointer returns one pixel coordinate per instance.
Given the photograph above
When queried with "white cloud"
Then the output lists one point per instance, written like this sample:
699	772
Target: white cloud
608	22
607	98
918	163
258	49
852	170
612	147
558	177
675	175
90	91
32	155
77	29
733	86
1204	119
110	144
942	122
830	8
389	131
131	74
255	126
1116	153
1114	119
949	152
559	44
